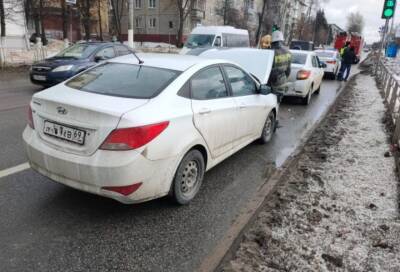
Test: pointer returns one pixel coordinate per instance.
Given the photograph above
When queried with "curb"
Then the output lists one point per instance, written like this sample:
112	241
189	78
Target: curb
228	245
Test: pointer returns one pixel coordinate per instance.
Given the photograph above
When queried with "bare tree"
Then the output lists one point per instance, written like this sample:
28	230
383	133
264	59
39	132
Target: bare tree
261	20
184	9
355	22
2	19
99	6
118	7
84	9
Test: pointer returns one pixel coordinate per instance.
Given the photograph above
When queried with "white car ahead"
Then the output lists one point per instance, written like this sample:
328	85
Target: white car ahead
137	132
306	75
332	60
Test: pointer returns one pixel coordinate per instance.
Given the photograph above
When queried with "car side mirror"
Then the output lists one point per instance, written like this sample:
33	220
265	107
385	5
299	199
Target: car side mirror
99	58
322	65
265	89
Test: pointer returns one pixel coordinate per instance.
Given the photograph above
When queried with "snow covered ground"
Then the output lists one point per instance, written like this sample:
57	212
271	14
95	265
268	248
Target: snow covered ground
337	209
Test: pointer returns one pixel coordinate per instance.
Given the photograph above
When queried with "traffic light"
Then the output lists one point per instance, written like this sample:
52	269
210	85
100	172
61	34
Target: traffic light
389	9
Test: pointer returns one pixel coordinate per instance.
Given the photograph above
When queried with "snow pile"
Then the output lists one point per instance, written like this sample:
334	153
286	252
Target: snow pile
337	209
393	64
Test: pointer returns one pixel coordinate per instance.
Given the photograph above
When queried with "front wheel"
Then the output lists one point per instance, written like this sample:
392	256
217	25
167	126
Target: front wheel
268	129
188	177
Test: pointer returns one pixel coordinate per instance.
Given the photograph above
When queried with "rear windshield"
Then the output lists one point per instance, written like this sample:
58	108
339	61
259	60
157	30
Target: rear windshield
199	40
299	58
324	54
78	51
124	80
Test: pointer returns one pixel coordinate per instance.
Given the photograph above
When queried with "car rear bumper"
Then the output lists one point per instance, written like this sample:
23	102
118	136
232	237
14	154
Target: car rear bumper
102	169
297	89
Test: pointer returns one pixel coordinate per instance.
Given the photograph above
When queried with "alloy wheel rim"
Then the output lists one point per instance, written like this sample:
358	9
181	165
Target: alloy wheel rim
189	179
268	127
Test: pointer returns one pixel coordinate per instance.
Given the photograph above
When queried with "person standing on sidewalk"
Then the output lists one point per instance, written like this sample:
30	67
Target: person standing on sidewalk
347	60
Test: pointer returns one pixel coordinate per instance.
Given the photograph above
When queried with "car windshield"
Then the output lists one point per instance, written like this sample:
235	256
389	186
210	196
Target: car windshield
325	54
298	58
199	40
78	51
124	80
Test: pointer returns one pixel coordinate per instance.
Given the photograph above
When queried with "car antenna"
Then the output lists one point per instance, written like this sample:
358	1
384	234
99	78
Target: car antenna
136	56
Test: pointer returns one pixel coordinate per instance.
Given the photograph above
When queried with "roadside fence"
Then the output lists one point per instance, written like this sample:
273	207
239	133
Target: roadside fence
389	84
18	56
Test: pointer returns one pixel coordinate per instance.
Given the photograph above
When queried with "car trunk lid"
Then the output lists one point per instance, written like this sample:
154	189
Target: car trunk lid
95	115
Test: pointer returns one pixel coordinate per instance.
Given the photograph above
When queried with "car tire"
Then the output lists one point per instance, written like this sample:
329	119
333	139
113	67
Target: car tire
318	90
188	177
306	100
268	129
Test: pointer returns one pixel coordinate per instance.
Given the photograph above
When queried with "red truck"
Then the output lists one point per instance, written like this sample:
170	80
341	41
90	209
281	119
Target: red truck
355	40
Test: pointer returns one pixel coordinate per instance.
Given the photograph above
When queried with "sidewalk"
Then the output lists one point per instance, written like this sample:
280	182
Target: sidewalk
337	210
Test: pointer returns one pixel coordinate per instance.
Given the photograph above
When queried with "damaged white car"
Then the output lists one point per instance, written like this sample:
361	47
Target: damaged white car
138	131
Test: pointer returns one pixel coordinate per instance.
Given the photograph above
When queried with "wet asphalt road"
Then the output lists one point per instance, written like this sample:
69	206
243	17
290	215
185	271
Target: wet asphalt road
45	226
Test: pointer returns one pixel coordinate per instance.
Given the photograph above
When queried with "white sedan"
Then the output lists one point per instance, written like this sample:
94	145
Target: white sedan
306	75
332	60
135	132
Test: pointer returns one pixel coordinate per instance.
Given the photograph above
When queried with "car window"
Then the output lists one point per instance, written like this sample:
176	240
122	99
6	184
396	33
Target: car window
106	53
122	50
124	80
299	58
208	84
241	83
315	62
325	54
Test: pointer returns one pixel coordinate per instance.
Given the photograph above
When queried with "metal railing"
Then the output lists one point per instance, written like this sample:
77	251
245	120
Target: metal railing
389	86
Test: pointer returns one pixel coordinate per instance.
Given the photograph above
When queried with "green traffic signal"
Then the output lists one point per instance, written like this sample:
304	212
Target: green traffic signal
388	13
388	9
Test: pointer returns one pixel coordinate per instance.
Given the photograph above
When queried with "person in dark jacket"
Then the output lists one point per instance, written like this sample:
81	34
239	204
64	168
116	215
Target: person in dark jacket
282	61
347	60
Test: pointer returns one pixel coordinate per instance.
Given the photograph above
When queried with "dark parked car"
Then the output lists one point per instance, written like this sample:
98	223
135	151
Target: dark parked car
74	60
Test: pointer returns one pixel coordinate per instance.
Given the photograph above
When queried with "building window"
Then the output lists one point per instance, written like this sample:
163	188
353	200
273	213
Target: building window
152	3
138	4
152	23
139	22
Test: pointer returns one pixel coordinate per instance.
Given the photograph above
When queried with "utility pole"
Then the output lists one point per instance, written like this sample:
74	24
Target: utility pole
131	25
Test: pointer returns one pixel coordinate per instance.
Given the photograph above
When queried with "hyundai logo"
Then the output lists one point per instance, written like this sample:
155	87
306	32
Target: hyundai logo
62	110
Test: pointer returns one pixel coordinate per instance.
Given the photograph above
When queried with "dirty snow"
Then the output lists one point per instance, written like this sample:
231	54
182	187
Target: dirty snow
337	208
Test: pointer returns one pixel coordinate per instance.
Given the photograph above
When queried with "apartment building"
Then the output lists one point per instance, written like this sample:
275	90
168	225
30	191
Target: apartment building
158	20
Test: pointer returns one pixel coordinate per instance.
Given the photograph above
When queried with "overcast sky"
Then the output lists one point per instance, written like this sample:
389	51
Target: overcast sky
337	10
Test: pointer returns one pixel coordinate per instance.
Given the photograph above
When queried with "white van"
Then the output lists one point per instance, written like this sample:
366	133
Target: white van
216	36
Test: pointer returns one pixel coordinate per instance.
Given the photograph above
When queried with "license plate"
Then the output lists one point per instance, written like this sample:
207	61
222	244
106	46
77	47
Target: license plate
63	132
40	78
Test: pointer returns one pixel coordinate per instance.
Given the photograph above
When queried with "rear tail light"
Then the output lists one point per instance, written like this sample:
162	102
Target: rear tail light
331	62
303	74
132	138
124	190
30	118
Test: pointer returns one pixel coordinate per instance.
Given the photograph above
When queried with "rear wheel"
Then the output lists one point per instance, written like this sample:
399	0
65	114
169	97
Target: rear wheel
306	100
188	177
268	129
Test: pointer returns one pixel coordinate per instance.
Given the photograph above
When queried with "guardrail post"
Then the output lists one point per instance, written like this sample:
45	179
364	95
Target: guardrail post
396	134
388	88
394	98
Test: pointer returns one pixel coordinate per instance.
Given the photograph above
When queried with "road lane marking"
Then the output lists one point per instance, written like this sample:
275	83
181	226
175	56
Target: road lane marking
14	170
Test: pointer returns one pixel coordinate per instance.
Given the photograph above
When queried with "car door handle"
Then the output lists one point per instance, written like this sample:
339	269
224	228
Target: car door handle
204	111
243	106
